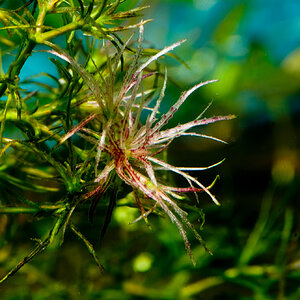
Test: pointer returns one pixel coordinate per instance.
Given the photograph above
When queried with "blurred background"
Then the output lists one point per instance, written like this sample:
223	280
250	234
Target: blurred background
253	48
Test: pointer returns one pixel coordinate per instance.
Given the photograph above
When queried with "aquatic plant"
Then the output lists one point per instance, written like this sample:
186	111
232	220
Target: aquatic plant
98	129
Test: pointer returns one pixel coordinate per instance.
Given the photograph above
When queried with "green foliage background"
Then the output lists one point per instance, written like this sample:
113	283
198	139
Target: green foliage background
252	47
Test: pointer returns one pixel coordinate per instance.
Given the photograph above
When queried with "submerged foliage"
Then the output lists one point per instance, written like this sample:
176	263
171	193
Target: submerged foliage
96	129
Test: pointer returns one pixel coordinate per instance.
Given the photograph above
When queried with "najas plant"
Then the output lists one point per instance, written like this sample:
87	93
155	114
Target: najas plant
97	128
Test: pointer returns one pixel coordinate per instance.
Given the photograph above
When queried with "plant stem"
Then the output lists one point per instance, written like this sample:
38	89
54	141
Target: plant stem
16	66
42	245
27	210
46	36
41	18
